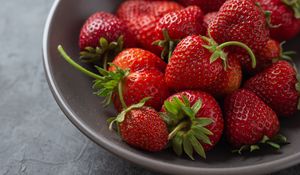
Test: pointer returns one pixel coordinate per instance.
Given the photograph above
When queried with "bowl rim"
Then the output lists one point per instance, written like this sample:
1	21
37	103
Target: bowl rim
149	163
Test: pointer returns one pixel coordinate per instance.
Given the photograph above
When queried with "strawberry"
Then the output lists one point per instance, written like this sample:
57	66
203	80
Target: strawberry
206	6
138	85
103	35
284	18
195	120
142	127
176	25
129	87
230	79
208	18
277	86
141	18
137	59
250	122
271	52
240	20
197	61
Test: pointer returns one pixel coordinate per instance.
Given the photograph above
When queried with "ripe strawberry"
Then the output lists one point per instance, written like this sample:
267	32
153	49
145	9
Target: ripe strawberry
206	6
240	20
230	79
139	85
208	18
196	121
197	61
106	32
130	10
137	59
250	122
142	128
132	87
141	18
176	25
276	86
285	17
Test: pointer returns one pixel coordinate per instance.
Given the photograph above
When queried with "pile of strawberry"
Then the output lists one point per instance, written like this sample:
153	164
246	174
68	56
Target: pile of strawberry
182	73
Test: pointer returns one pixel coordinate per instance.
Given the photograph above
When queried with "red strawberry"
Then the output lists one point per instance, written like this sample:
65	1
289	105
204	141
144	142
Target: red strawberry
230	79
208	18
207	6
240	20
143	128
196	63
250	121
108	27
132	87
196	121
276	86
177	25
137	59
141	18
139	85
285	17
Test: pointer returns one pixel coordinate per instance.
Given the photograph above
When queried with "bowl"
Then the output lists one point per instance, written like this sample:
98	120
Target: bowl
73	93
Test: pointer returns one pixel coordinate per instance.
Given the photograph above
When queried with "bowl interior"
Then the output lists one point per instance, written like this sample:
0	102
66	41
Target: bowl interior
75	96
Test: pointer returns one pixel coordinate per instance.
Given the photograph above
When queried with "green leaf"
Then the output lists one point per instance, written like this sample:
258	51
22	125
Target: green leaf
189	112
280	139
197	146
200	136
170	107
273	145
254	148
186	101
187	147
197	106
204	121
214	56
103	43
177	144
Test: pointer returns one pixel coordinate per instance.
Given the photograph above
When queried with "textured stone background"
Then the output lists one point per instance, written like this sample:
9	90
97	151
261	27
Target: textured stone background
36	137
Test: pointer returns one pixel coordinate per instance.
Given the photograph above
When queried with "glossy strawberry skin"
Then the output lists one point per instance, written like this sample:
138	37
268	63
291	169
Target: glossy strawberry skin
181	23
143	128
240	20
210	109
276	87
281	15
139	85
208	18
229	80
137	59
103	24
141	18
248	119
264	57
190	67
206	6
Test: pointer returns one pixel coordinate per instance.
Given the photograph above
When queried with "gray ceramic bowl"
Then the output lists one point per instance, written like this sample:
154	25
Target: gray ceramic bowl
72	91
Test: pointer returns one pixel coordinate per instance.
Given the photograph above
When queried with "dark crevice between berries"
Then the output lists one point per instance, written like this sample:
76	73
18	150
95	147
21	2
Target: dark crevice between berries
168	44
188	133
295	5
219	53
285	55
104	52
266	142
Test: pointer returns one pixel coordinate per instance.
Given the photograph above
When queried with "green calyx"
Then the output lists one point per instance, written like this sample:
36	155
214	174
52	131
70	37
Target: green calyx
188	133
266	142
295	5
121	116
218	52
167	44
267	16
105	51
105	83
284	55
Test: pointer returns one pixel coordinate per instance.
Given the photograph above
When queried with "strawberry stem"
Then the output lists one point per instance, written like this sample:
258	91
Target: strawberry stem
178	128
75	65
121	97
242	45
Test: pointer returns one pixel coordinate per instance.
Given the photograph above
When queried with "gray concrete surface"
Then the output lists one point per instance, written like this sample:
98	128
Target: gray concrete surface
35	136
